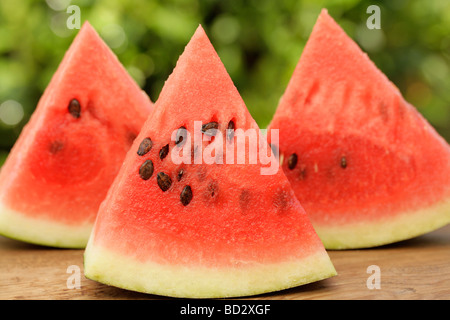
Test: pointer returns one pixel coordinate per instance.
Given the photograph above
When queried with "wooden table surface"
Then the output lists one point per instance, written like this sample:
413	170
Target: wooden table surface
414	269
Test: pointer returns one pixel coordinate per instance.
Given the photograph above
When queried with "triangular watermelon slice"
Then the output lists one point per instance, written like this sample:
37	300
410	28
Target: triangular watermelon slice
68	154
199	229
366	166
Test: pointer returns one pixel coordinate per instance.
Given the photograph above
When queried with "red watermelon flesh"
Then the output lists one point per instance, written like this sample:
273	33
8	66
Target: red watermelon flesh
199	229
68	154
366	166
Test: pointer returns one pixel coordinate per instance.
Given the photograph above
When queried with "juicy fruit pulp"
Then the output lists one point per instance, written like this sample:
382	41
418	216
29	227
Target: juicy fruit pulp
367	168
69	153
193	229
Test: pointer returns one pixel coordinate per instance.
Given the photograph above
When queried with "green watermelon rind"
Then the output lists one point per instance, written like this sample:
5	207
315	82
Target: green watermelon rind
21	227
367	234
184	281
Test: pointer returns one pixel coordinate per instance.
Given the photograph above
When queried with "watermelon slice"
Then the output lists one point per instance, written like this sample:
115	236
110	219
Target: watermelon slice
366	166
68	154
194	228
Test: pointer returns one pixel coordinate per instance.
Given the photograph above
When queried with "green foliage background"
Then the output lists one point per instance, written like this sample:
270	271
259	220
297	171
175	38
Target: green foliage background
259	41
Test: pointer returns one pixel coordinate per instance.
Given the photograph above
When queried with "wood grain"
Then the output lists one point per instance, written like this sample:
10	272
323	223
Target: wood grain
414	269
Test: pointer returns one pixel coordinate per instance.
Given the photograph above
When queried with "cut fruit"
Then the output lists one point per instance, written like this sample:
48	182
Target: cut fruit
68	154
369	170
195	228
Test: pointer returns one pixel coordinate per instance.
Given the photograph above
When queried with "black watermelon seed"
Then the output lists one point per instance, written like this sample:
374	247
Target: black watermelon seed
180	174
210	129
56	146
292	161
303	173
281	199
244	199
145	146
343	163
230	130
164	181
146	170
164	152
181	136
213	188
74	108
186	195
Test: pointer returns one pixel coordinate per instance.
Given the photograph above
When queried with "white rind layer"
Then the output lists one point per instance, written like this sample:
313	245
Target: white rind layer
400	227
186	281
39	231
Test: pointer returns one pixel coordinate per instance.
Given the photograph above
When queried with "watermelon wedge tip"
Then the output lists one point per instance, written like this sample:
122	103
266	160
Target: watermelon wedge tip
195	229
366	166
68	154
